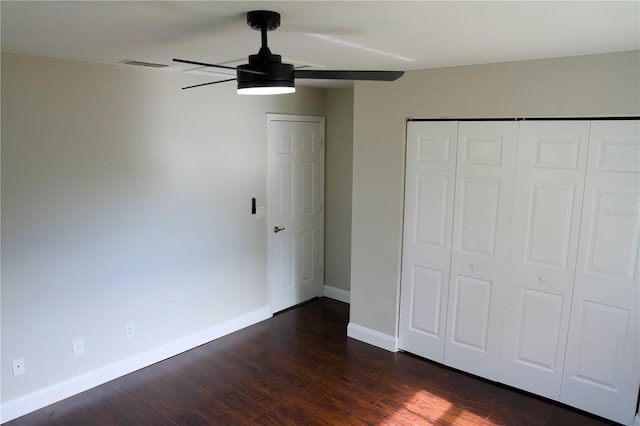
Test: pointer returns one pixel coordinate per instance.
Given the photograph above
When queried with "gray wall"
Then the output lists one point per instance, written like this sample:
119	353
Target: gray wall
125	199
597	85
338	160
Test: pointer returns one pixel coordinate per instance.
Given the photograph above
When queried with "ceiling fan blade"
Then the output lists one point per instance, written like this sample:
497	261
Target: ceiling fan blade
349	75
207	84
204	64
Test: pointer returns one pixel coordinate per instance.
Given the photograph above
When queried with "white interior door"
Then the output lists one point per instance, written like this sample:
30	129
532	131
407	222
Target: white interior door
428	221
601	372
481	245
548	198
295	208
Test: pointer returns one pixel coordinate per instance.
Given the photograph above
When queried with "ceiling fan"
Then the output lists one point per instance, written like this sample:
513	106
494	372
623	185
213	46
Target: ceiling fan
266	74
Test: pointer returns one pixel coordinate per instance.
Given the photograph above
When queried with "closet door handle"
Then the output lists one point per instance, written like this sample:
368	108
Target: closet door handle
474	266
542	279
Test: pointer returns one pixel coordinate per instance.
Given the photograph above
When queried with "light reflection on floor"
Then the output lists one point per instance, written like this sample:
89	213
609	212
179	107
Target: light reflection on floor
426	408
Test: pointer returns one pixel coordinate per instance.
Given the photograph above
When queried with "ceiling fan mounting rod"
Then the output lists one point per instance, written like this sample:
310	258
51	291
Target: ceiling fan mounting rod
263	21
263	33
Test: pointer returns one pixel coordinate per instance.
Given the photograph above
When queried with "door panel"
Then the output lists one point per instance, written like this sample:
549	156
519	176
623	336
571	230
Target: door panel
601	368
480	254
295	196
560	153
429	189
613	224
538	336
480	203
482	151
307	256
601	335
285	191
549	228
546	218
307	188
471	305
287	262
432	200
426	291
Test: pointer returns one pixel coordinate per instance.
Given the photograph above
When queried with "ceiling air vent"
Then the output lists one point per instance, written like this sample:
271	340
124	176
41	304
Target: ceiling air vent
143	64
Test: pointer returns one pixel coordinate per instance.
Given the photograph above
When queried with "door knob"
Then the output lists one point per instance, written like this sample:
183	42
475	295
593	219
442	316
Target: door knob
276	229
474	266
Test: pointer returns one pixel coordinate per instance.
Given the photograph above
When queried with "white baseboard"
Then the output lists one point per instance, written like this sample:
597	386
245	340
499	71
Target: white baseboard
337	294
372	337
25	404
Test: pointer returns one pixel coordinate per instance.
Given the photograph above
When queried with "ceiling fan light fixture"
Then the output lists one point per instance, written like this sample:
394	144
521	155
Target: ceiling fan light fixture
266	90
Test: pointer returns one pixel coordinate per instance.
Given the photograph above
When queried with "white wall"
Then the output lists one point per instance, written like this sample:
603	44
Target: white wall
125	199
597	85
338	160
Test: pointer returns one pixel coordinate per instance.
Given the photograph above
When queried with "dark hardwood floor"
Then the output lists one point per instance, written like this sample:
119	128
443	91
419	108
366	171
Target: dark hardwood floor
299	368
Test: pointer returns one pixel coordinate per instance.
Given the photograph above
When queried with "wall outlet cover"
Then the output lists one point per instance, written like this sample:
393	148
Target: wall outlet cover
18	366
78	346
130	330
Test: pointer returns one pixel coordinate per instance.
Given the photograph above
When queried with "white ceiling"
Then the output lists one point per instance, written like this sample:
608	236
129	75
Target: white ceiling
331	34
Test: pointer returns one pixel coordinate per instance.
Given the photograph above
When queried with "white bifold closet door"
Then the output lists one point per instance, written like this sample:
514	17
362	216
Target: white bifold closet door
521	256
428	222
454	269
481	245
601	368
546	221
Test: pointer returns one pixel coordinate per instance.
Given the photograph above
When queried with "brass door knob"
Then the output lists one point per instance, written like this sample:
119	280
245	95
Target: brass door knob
276	229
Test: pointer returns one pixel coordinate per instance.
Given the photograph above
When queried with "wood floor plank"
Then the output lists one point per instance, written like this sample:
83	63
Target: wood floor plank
299	368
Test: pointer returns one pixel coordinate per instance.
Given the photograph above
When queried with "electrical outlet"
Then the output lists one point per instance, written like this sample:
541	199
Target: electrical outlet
78	346
130	330
18	366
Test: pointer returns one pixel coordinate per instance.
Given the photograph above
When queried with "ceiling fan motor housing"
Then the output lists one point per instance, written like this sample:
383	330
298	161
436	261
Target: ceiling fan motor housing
265	70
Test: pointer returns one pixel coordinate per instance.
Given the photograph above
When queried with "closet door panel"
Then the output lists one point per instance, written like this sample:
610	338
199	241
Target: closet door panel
481	245
471	303
546	218
548	233
426	257
539	335
425	286
479	203
601	369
